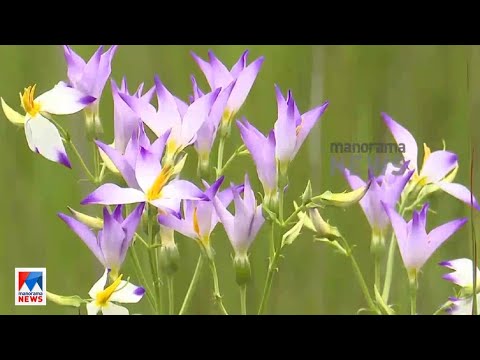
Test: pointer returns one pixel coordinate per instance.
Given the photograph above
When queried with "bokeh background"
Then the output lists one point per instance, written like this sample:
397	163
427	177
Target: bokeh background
426	88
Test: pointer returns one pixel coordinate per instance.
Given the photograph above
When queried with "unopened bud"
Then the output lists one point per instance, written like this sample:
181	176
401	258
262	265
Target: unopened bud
243	272
343	200
90	221
323	228
378	243
307	194
203	164
74	301
169	259
93	123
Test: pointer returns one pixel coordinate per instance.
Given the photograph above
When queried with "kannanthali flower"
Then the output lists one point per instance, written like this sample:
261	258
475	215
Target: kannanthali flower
386	188
42	136
218	76
119	291
109	245
173	114
416	246
155	186
436	165
462	274
208	131
243	227
199	217
125	121
462	306
291	128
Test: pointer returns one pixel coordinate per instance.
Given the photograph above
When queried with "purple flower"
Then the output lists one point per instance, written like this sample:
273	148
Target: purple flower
90	77
218	76
386	188
183	120
208	131
436	166
416	246
262	150
199	217
462	306
243	227
148	181
110	244
291	128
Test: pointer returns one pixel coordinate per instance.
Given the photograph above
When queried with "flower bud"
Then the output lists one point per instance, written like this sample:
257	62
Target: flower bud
203	164
169	255
93	123
323	228
243	272
75	300
90	221
343	200
378	243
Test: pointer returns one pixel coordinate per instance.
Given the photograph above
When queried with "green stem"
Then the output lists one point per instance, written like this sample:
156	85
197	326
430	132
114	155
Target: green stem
193	286
216	288
413	293
243	299
171	297
82	162
391	259
272	242
443	307
96	162
230	160
133	254
154	265
360	278
295	213
377	272
221	149
268	282
142	241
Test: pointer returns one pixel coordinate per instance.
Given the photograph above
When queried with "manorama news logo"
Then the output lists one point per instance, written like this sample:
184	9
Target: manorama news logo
30	286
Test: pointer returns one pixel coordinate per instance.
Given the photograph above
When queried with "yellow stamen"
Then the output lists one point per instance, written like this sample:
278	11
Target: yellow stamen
161	180
27	101
227	116
171	147
416	177
104	296
196	227
426	153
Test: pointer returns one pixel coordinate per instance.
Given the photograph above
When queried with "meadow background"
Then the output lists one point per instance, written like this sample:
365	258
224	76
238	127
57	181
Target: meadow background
425	88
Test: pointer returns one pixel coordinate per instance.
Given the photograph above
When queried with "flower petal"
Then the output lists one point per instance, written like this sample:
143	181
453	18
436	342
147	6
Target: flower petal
285	132
168	115
63	100
127	293
221	75
12	116
183	189
309	119
403	136
239	65
463	273
43	137
147	169
438	165
111	241
84	233
92	308
399	226
75	64
458	191
125	120
439	235
463	306
112	194
182	226
244	84
225	217
114	309
130	225
99	285
120	163
206	69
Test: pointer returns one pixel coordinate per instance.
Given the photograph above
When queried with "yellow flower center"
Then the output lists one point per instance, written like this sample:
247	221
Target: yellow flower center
104	296
155	191
171	147
299	127
205	240
426	154
29	105
227	116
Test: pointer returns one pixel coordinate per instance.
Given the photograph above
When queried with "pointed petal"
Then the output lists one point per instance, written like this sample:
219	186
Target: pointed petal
400	228
309	119
75	64
147	113
12	116
206	69
439	235
169	206
167	110
99	285
111	241
212	190
285	132
44	138
125	120
92	308
248	195
438	165
118	213
147	169
182	226
102	73
463	306
84	233
219	105
64	100
225	217
128	293
130	225
112	194
114	309
403	136
182	189
244	84
120	163
221	75
462	274
460	192
239	65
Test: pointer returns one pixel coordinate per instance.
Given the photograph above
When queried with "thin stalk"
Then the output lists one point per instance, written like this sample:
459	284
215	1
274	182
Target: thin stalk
221	149
230	160
133	254
82	162
413	294
171	296
216	288
243	299
268	282
193	285
154	265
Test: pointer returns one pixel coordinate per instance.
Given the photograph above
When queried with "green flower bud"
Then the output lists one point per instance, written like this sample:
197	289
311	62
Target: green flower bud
74	301
169	259
323	228
203	165
343	200
91	221
93	123
243	272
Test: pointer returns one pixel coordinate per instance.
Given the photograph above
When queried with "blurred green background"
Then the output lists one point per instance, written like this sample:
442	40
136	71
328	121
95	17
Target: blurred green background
425	88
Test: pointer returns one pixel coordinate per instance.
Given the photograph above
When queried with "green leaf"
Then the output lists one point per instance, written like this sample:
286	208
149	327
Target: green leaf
291	235
383	307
